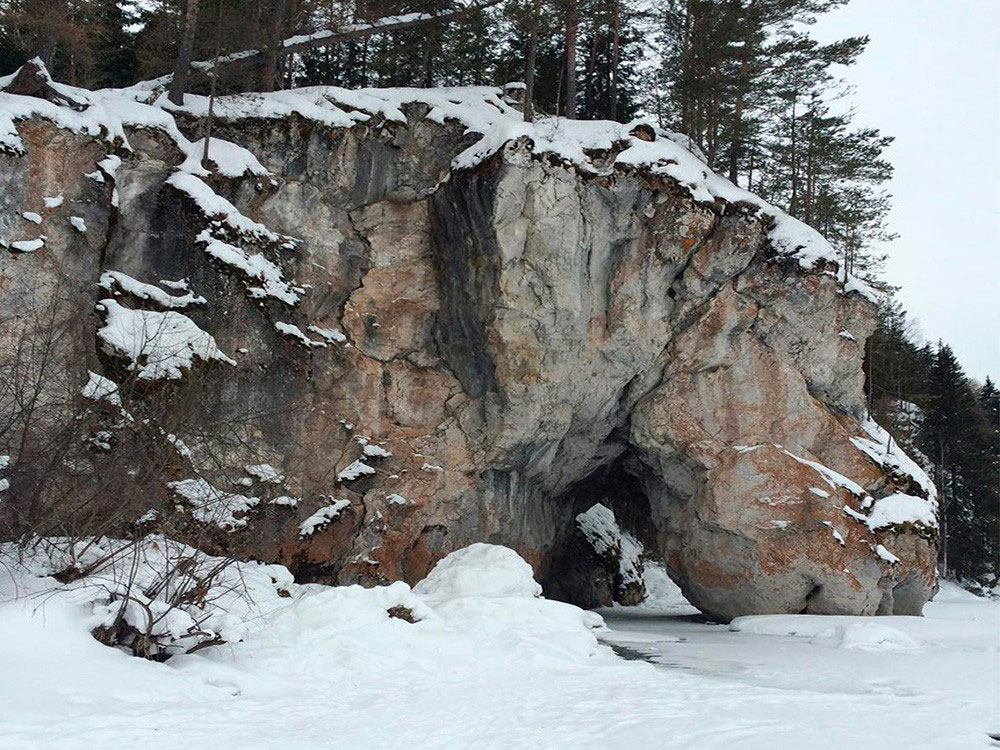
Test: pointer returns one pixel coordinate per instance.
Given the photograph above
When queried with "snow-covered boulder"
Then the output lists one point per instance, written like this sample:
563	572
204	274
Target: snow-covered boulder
485	570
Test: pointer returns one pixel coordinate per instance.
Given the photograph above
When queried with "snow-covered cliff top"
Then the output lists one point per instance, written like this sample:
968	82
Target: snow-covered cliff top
482	110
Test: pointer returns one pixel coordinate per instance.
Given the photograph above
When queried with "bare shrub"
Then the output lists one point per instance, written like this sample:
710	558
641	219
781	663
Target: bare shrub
86	474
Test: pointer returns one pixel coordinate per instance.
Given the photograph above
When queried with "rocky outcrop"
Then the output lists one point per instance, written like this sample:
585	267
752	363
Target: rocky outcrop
435	330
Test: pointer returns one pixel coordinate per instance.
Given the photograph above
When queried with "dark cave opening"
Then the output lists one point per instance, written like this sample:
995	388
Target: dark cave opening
577	572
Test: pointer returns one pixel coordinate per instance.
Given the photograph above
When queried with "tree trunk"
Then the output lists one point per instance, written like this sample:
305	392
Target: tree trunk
811	167
746	83
687	63
529	65
572	22
211	93
616	23
182	68
269	64
793	202
590	75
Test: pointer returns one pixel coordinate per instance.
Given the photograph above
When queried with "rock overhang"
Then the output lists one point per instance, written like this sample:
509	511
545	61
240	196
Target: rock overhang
527	308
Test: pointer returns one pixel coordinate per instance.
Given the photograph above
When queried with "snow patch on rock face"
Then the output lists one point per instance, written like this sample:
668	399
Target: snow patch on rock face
264	473
112	280
881	448
158	344
354	471
256	267
884	554
832	478
100	388
209	504
375	451
226	158
480	570
28	246
322	517
216	207
330	334
902	509
293	331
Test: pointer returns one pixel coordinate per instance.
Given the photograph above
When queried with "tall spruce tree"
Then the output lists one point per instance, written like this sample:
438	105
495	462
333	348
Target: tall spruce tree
988	508
955	438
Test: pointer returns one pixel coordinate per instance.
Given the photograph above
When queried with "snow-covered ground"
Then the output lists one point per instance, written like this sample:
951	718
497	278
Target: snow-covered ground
807	681
490	665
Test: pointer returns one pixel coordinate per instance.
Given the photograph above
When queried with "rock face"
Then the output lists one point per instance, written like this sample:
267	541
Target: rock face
469	353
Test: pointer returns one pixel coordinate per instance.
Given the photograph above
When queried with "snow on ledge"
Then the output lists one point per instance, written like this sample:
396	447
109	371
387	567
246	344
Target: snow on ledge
112	280
831	477
214	206
229	159
100	388
322	517
353	471
255	267
881	448
264	473
900	509
209	504
158	344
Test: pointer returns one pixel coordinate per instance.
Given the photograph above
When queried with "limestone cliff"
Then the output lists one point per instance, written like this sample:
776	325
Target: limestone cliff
383	325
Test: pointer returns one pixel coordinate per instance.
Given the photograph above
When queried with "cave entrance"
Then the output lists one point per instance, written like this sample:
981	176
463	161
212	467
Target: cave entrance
604	549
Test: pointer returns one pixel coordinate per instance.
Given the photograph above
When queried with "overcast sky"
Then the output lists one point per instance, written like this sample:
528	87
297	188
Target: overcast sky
930	77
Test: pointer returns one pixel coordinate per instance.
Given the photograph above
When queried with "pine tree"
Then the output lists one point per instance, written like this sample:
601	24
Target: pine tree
114	44
989	507
608	72
955	438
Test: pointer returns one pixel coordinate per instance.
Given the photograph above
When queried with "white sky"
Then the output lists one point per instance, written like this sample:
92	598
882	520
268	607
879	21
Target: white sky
931	77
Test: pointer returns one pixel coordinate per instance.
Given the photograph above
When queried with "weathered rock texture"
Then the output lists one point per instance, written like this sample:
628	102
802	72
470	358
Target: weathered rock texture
524	338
